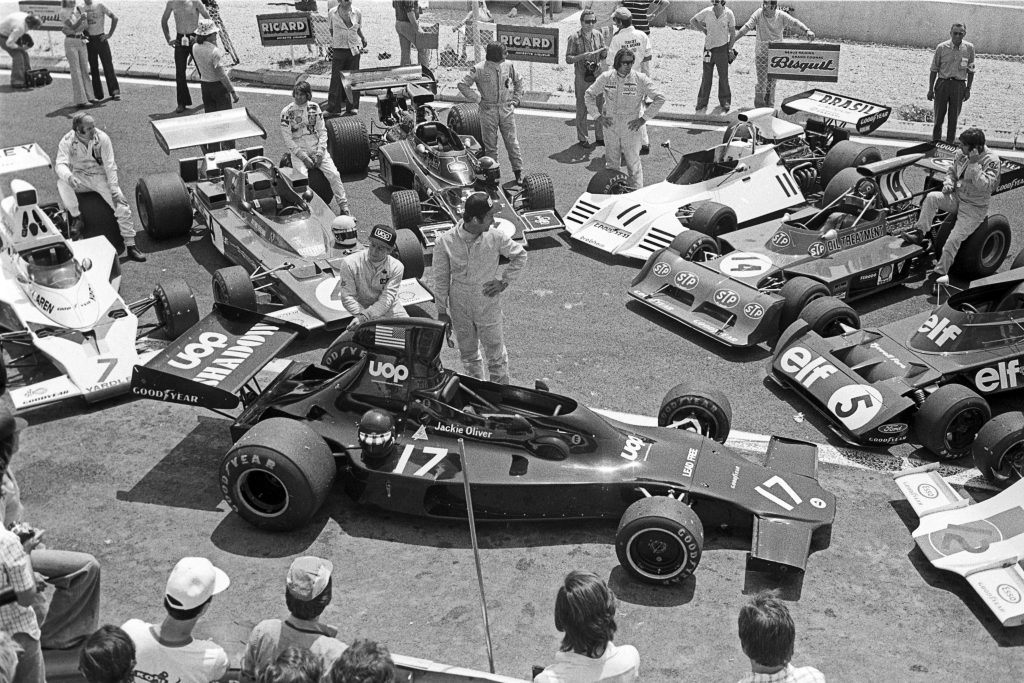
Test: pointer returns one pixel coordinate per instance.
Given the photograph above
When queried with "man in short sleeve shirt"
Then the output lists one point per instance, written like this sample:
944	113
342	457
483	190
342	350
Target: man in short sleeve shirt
950	80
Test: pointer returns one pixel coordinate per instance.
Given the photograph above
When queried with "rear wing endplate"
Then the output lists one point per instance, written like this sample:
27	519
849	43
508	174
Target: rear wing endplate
210	364
21	158
938	157
839	111
382	78
206	129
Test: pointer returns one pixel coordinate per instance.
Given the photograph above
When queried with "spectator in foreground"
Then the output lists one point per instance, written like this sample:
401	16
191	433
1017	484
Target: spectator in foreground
718	24
108	656
294	665
767	634
586	52
307	594
15	41
9	651
771	24
98	48
950	79
167	650
366	661
585	612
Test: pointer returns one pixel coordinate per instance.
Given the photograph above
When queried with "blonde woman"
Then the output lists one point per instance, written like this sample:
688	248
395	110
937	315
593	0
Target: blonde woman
73	28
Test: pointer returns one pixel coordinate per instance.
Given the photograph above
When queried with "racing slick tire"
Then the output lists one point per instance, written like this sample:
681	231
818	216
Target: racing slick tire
949	419
1018	262
694	246
348	144
841	183
846	154
538	191
796	293
406	211
342	354
464	119
277	475
232	286
704	411
176	308
983	252
999	449
713	219
410	252
165	209
659	540
609	181
826	314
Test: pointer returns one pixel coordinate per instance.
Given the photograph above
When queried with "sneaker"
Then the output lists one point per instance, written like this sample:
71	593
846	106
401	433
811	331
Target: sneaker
599	143
585	144
115	95
645	150
700	110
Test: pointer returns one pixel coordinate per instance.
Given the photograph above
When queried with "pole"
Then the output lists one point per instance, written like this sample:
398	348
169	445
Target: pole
476	551
291	55
531	76
476	31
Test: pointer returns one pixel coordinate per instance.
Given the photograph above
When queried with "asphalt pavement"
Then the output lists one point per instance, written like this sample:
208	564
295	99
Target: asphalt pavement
134	482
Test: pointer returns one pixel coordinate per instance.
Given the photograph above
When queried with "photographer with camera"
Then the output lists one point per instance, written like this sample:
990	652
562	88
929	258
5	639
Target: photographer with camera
16	41
587	53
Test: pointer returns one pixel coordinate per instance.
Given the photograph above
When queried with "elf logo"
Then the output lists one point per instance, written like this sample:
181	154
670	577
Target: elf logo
389	371
1006	375
805	366
939	331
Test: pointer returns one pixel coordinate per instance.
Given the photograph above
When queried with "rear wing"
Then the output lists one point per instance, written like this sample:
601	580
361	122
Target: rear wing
839	111
938	156
419	80
21	158
210	364
206	129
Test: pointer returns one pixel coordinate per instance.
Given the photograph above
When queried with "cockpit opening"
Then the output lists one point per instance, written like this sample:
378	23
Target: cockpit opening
52	266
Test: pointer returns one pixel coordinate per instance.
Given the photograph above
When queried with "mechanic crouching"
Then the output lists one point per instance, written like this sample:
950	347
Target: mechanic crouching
305	136
85	163
368	280
624	91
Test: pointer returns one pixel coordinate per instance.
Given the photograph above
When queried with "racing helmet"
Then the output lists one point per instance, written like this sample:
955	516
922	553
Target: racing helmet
344	230
488	170
376	436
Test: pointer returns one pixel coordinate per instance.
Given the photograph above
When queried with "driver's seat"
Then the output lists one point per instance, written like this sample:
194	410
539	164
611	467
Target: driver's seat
429	134
261	192
1012	301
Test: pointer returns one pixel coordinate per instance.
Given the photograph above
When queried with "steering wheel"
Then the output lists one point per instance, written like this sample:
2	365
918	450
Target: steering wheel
289	210
261	161
968	308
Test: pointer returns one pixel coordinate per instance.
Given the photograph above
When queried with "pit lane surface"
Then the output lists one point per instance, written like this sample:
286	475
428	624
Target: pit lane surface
134	482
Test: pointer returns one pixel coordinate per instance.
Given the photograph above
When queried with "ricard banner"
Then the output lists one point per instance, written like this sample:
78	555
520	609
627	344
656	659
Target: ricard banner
292	28
801	61
529	43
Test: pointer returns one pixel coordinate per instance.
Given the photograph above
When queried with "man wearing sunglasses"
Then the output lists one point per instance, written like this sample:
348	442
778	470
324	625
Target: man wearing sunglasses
718	24
771	23
623	114
950	79
586	52
639	43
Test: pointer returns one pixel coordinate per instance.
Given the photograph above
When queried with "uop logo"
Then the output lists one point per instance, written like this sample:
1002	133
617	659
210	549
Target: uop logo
398	373
228	360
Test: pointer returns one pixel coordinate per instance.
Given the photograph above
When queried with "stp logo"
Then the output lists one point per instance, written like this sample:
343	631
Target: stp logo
780	239
388	371
686	280
726	298
817	250
1003	376
939	331
753	311
661	269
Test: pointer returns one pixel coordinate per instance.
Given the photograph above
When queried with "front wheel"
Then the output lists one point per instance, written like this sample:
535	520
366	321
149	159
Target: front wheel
233	287
659	540
406	211
464	119
348	144
796	293
410	253
999	449
713	219
949	419
704	411
538	191
695	246
176	308
828	316
609	181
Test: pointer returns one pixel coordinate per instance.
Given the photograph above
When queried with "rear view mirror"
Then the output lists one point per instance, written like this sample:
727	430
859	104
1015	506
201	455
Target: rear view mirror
86	264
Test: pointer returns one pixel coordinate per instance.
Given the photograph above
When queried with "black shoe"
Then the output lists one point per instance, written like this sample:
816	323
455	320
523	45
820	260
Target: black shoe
914	236
585	144
645	150
180	109
519	177
75	227
599	143
134	254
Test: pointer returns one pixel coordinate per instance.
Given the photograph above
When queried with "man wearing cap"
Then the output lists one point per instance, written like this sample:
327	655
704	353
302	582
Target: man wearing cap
639	43
500	92
305	136
623	116
368	280
186	20
468	287
586	52
307	593
167	651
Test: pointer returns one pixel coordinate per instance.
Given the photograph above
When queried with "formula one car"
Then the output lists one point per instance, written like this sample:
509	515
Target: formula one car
434	166
984	542
746	287
59	302
764	167
382	415
262	217
929	372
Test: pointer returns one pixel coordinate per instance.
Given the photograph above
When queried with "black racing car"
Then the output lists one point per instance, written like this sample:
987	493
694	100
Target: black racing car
927	375
534	455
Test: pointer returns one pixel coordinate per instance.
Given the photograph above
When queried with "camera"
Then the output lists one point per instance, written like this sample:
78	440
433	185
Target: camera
589	72
37	78
23	531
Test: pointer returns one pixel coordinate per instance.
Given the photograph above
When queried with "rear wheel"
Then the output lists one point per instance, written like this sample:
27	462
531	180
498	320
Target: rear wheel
538	191
846	154
233	287
406	211
713	219
999	449
165	209
609	181
659	540
410	253
694	246
704	411
949	420
841	183
827	316
277	475
176	308
983	252
464	119
796	293
348	144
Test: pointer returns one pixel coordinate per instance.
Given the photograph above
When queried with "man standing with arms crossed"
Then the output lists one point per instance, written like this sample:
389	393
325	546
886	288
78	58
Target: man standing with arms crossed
501	91
950	79
186	19
467	286
624	92
719	27
586	52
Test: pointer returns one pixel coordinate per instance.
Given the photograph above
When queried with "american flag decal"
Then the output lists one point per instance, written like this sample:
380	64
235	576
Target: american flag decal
385	335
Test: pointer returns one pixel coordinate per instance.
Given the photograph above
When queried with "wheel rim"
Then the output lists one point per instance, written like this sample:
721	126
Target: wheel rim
695	419
219	291
656	553
701	252
834	327
143	211
993	249
963	428
261	493
1011	465
163	308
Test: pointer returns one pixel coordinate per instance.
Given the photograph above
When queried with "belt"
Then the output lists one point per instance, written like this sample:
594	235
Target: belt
961	80
80	36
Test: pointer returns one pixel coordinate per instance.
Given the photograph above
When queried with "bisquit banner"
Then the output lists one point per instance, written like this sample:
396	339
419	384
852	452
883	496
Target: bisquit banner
802	61
49	11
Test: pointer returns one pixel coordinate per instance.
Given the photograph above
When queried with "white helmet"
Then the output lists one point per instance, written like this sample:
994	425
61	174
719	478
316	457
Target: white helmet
344	229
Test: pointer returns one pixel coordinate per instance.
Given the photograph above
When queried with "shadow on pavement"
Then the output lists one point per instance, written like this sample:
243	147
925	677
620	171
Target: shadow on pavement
574	154
632	591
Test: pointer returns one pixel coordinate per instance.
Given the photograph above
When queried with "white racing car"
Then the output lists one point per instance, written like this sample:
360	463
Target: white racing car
59	301
764	167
